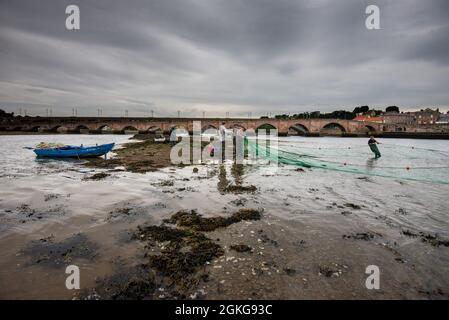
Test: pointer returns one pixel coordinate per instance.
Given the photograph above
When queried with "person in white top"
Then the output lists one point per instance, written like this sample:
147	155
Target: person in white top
222	132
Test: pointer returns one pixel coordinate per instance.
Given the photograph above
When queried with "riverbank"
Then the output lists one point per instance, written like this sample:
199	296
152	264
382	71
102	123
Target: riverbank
22	133
416	135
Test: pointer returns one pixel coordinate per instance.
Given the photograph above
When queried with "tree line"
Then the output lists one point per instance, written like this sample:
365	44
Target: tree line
338	114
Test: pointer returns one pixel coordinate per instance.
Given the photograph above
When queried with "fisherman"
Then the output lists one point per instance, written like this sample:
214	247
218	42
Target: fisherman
373	146
222	132
222	136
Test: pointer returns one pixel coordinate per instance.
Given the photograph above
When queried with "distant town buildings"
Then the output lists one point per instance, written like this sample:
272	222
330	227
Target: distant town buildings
443	119
369	118
427	116
399	118
392	116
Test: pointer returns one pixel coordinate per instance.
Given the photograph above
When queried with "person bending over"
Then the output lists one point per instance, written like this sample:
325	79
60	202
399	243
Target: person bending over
372	143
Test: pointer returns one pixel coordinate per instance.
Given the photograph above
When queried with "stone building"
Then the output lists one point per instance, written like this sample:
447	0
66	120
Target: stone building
443	119
408	118
427	116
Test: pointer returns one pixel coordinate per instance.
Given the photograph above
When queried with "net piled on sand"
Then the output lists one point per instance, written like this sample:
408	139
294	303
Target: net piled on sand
49	145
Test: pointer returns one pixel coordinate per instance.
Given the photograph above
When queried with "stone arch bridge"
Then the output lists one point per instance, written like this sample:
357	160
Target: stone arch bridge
165	125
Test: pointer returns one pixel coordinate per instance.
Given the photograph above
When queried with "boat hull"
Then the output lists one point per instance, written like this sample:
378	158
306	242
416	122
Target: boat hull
78	152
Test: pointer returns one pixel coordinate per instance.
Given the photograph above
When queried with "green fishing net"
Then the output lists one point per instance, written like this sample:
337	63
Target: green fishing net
397	161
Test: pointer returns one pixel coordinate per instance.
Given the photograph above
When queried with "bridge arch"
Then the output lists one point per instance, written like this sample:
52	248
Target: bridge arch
104	128
154	129
129	130
298	129
332	128
81	129
172	128
59	128
35	129
209	126
267	127
177	131
236	127
369	129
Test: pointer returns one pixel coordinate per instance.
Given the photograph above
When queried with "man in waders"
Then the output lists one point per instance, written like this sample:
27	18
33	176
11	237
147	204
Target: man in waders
222	136
373	146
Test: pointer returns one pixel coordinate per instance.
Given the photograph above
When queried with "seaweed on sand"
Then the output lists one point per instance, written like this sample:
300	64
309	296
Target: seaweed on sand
433	240
97	176
184	254
241	248
185	248
135	283
194	221
240	189
367	236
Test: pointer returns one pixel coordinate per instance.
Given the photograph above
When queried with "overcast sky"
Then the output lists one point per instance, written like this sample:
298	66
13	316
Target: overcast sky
218	56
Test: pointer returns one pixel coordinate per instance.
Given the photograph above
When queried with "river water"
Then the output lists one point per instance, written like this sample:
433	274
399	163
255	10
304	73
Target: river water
395	204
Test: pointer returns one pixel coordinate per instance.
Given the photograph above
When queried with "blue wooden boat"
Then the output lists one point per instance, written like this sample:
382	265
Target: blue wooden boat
75	151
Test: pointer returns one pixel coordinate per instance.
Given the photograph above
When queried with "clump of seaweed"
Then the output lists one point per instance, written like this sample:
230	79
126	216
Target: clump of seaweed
184	249
353	206
194	221
165	183
362	236
241	248
433	240
233	188
183	256
97	176
185	252
329	271
135	283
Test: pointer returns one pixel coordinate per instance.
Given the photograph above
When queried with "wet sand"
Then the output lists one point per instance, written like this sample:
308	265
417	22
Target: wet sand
218	232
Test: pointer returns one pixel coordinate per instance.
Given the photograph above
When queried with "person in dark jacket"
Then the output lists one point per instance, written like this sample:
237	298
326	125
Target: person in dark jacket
372	143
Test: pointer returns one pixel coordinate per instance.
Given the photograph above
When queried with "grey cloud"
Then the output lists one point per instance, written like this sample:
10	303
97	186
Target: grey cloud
216	56
33	90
